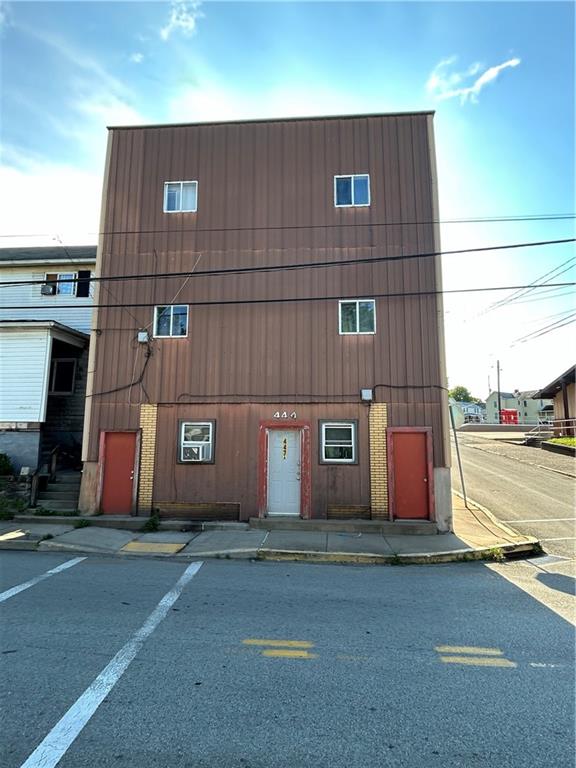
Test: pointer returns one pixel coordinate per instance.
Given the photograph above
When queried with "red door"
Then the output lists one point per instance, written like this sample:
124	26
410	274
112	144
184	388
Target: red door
410	480
119	454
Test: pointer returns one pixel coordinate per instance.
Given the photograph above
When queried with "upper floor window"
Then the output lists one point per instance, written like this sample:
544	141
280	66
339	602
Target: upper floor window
81	288
171	321
180	196
357	316
352	190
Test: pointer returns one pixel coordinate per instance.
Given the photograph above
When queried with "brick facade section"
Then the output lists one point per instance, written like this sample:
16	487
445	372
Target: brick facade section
378	422
148	416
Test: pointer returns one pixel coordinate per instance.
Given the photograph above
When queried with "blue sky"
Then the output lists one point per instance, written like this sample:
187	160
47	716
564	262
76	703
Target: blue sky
499	75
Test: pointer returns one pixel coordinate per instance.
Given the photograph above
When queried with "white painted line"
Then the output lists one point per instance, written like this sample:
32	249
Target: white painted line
565	538
37	579
53	748
544	520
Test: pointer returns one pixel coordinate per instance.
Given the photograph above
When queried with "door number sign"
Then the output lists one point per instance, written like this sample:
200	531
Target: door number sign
284	415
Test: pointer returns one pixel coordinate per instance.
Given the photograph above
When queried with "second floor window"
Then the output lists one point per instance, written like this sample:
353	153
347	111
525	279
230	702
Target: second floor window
357	316
352	190
81	288
180	196
171	321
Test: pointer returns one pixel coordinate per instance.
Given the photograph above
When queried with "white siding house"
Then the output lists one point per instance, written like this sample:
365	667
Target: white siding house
43	349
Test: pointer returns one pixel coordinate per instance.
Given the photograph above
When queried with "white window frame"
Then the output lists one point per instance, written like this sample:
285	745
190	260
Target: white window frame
338	424
54	363
352	176
195	443
62	276
358	332
170	335
180	210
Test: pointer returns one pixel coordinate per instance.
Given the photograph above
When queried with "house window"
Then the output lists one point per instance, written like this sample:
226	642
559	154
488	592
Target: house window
357	316
81	288
352	190
338	442
62	289
180	196
62	375
171	321
196	442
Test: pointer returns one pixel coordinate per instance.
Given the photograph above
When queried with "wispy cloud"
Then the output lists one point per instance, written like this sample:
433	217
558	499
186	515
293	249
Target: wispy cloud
137	58
183	17
446	83
4	14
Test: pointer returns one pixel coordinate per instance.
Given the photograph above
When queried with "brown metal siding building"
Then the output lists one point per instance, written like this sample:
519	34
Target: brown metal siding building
263	349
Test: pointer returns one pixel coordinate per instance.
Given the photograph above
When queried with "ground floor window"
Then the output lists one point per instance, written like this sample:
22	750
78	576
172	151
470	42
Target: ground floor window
196	442
338	442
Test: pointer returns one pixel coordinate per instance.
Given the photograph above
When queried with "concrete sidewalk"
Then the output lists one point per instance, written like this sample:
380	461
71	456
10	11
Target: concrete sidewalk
477	535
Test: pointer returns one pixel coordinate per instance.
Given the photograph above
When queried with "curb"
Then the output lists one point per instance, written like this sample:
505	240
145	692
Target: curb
496	552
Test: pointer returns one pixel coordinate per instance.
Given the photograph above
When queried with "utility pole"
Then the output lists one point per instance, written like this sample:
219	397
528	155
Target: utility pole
499	398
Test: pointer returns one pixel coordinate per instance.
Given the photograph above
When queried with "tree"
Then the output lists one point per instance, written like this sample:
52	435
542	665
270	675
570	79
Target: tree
461	395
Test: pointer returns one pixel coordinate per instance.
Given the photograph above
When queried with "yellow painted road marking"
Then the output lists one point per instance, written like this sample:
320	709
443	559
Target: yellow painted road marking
478	651
279	643
478	661
153	546
285	653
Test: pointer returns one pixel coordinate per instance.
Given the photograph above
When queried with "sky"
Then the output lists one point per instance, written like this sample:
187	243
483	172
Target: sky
499	75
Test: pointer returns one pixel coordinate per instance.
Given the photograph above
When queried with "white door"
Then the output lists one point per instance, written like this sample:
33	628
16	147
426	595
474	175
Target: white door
283	472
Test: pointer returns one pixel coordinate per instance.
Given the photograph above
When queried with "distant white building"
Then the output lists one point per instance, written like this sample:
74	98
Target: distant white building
530	411
43	349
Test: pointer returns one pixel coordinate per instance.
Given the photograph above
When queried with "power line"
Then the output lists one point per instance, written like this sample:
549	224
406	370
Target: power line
551	274
284	227
546	329
296	265
551	294
227	302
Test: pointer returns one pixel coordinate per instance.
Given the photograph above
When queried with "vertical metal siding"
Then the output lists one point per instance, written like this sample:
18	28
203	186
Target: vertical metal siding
265	196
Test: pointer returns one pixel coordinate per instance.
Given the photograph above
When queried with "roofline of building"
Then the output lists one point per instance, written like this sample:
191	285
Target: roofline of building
46	262
551	389
51	324
273	120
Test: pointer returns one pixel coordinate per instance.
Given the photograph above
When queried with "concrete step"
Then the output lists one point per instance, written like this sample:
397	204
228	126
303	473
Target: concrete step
61	493
385	527
63	487
59	505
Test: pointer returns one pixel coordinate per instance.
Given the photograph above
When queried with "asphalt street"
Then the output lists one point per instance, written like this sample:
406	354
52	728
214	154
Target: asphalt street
522	486
127	662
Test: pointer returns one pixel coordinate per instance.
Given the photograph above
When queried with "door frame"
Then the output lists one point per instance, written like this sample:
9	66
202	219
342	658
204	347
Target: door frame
102	463
390	431
305	476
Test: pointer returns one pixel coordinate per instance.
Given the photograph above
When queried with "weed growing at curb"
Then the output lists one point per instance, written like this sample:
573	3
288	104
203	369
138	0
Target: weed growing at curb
82	523
47	537
496	555
152	524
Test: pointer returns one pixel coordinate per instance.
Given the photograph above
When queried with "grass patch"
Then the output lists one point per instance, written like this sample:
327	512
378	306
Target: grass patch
571	441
